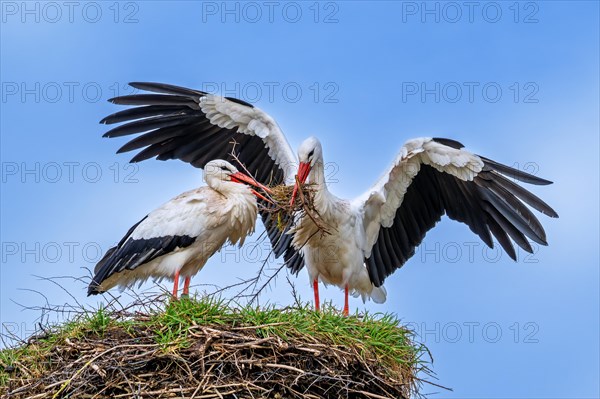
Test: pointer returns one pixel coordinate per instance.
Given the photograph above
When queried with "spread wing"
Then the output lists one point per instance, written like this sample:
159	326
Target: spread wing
174	122
432	177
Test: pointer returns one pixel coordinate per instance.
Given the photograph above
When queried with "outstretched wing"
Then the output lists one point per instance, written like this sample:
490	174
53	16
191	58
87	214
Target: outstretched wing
196	127
432	177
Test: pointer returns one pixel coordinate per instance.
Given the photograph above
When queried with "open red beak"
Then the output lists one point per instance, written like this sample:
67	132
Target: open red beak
239	177
303	171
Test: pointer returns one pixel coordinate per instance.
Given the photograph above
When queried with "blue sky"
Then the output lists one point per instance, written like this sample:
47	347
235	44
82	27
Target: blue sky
517	82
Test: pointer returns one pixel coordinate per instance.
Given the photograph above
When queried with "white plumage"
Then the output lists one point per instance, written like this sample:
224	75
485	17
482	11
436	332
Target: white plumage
253	122
178	238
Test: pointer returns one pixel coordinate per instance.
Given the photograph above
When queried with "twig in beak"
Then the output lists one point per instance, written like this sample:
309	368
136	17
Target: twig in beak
262	197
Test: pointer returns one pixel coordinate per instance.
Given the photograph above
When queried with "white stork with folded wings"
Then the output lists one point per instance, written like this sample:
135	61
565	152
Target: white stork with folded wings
373	235
179	237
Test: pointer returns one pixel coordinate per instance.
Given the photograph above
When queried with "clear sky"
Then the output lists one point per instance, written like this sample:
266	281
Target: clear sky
514	81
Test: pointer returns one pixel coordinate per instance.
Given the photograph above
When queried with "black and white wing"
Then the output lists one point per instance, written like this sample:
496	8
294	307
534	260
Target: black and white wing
432	177
196	127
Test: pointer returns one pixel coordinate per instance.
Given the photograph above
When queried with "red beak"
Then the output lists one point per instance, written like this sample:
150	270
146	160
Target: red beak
303	171
239	177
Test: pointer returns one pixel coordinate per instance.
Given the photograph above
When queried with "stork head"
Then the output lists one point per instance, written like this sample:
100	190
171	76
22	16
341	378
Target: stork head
310	153
218	173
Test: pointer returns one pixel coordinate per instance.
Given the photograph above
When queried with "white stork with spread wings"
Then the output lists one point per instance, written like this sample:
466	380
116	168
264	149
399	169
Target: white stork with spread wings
373	235
378	232
178	238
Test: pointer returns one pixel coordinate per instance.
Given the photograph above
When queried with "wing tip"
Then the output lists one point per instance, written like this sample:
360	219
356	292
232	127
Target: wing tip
551	213
140	85
112	133
540	181
507	245
139	157
93	289
514	173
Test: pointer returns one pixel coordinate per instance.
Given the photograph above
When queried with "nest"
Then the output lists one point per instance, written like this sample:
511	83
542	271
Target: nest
232	359
282	196
280	208
284	213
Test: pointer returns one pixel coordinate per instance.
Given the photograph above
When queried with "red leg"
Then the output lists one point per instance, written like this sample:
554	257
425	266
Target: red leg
186	286
346	310
316	291
175	284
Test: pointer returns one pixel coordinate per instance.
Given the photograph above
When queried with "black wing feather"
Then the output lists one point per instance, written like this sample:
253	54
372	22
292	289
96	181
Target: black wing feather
513	173
489	205
157	136
155	99
165	88
152	123
140	112
526	196
129	254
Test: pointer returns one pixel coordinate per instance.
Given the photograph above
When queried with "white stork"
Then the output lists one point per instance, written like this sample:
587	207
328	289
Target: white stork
374	234
178	238
378	232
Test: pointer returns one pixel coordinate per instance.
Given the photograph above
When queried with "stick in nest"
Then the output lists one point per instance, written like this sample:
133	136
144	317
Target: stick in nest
280	209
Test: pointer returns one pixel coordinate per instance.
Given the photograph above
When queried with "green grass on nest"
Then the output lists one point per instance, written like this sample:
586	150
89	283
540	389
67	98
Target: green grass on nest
203	348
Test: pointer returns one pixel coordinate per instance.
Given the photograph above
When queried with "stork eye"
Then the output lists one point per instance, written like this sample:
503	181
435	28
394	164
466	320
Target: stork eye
310	154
